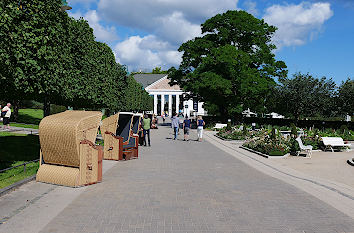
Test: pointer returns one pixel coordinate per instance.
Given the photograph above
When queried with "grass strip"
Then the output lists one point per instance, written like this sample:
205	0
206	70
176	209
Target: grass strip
12	176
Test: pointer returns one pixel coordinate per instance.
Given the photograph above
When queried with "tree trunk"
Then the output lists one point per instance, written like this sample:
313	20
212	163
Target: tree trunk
224	115
16	107
46	107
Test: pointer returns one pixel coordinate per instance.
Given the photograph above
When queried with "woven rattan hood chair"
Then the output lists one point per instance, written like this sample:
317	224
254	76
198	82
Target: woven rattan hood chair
116	132
133	145
68	155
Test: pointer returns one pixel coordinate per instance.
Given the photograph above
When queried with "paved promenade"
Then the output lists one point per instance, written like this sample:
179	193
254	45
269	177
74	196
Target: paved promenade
19	130
174	186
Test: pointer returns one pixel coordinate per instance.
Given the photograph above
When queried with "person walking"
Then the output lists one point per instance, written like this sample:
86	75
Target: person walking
200	124
175	125
186	128
146	128
6	114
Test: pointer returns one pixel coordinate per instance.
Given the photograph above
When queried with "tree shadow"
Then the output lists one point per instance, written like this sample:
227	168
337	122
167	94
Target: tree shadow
28	119
18	148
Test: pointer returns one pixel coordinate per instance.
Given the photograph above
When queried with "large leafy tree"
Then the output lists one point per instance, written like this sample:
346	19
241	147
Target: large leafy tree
136	98
346	97
47	56
231	66
304	96
32	49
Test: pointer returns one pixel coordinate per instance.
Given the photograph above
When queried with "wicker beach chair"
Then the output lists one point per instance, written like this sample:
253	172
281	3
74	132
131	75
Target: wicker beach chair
113	144
68	155
133	144
117	131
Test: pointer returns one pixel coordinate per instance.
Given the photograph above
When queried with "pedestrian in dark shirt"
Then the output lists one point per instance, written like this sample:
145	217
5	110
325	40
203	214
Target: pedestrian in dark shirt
186	128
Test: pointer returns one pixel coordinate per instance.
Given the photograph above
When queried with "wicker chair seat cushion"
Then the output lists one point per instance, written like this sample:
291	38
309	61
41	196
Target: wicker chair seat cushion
67	176
60	135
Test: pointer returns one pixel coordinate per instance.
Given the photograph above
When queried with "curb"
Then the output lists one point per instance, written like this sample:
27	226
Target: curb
8	189
265	155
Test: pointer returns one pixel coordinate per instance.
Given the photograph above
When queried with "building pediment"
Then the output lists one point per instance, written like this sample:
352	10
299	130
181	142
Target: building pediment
163	84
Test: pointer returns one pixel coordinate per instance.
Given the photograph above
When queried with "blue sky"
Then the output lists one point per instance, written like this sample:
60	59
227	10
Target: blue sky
313	37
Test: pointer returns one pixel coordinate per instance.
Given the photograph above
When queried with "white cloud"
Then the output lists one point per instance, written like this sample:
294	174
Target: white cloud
102	33
297	23
146	53
168	24
141	12
176	29
85	3
251	7
173	20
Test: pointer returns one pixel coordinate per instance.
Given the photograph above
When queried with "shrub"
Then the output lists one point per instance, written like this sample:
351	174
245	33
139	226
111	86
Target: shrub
57	109
293	130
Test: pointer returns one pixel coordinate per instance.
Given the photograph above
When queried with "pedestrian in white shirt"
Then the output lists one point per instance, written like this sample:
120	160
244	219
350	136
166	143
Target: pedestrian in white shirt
6	114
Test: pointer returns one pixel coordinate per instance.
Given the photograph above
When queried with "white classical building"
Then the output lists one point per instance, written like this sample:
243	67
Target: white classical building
168	99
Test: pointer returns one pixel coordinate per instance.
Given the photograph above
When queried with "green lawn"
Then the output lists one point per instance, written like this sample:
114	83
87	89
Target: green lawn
17	174
30	116
16	149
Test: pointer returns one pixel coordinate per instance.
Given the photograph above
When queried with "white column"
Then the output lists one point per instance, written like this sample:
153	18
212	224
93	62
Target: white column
162	103
155	104
177	103
170	105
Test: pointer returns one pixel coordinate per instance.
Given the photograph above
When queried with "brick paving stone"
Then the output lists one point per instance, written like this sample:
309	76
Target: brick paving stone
178	186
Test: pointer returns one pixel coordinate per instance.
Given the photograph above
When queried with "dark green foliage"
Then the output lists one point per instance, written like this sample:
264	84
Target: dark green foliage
293	130
294	146
46	55
343	128
136	98
231	67
273	135
228	126
244	130
346	97
158	70
304	95
57	109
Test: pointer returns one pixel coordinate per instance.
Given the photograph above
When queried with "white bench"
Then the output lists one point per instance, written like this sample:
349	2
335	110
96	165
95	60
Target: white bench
332	142
219	126
307	149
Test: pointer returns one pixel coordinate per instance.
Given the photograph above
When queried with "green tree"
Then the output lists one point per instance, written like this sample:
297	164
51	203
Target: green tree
346	97
47	56
158	70
32	49
304	95
231	66
136	98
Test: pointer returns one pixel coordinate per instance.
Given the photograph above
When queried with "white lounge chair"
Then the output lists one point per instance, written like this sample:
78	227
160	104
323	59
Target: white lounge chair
307	149
334	142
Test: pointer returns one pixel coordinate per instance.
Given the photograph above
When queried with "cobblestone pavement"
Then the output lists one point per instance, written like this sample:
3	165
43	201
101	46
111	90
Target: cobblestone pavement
19	130
178	186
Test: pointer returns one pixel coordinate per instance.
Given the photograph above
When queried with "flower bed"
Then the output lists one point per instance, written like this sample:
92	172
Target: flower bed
269	140
266	144
233	134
